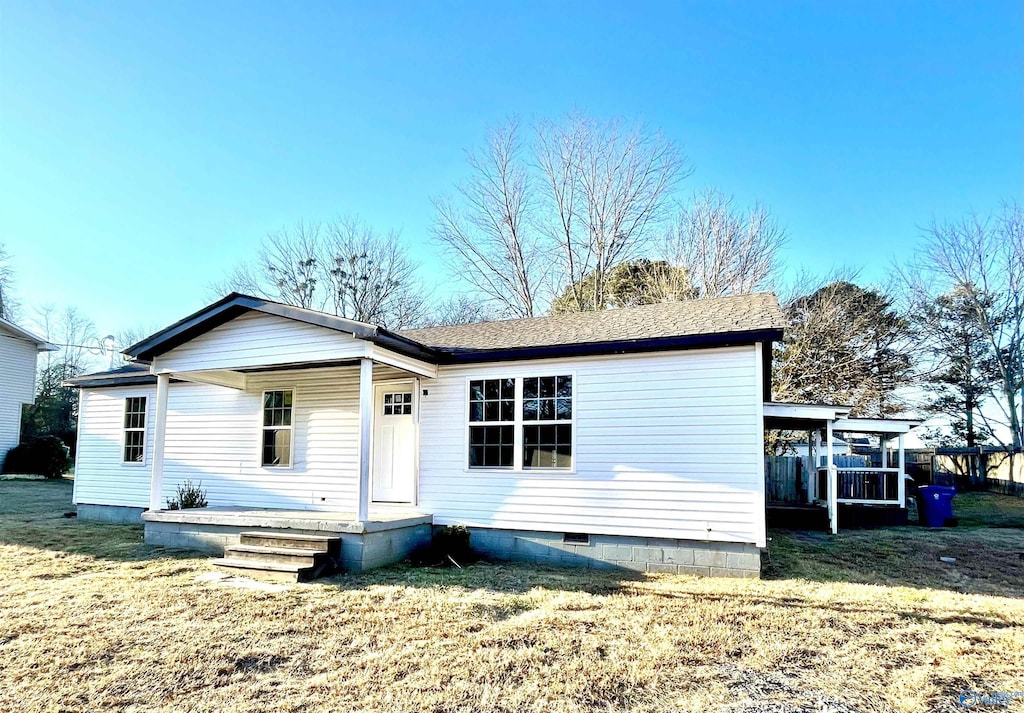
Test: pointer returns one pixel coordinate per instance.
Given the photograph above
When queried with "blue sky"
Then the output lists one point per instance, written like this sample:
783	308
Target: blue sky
145	148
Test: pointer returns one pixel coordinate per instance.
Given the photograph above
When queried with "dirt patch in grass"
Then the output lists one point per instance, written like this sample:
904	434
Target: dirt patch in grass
130	628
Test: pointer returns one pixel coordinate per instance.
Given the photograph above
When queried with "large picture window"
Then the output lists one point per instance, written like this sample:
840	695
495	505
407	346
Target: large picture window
277	429
134	430
521	423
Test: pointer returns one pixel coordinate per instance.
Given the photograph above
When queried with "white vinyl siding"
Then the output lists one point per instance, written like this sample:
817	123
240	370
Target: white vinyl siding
17	386
101	476
256	339
667	445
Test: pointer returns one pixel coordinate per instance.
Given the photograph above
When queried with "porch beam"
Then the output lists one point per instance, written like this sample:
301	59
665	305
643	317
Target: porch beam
156	478
400	361
217	377
365	428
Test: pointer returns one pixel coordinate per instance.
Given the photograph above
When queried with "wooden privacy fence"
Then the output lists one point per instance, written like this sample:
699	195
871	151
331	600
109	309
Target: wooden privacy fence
784	479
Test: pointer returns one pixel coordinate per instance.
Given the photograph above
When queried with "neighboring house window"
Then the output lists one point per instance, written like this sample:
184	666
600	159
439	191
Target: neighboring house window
492	423
135	429
277	428
547	422
540	438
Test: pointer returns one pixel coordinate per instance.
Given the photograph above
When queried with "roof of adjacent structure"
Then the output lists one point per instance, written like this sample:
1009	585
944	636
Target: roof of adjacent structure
20	333
128	375
707	322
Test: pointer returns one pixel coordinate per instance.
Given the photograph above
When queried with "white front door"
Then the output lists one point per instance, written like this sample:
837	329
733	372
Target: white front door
394	444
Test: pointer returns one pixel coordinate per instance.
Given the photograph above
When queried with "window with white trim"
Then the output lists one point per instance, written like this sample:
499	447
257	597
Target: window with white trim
492	423
277	429
547	422
134	430
521	423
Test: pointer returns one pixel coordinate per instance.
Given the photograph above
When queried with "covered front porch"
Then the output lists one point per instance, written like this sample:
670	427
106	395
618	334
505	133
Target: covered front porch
858	494
302	427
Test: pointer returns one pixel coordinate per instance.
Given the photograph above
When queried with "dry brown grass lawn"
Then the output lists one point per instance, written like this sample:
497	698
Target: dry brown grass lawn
91	619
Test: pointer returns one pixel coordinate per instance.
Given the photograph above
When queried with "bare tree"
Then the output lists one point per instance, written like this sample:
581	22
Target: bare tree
981	260
607	191
486	229
370	276
291	263
726	251
8	305
344	267
460	309
74	333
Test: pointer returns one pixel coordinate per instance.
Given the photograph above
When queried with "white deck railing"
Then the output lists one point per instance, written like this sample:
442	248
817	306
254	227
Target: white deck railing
864	486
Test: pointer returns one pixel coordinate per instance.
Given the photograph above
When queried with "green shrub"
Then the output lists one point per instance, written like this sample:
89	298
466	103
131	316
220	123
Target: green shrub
189	496
43	455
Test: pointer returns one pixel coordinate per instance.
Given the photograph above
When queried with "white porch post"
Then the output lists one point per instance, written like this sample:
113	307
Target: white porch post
156	478
365	425
901	488
832	476
812	465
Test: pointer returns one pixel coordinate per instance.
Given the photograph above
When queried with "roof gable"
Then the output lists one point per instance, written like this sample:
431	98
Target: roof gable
235	305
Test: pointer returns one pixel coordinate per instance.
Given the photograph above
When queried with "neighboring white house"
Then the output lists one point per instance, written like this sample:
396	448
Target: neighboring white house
632	437
19	350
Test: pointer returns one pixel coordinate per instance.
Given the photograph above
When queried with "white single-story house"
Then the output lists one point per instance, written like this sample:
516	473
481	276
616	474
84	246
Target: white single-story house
19	351
628	438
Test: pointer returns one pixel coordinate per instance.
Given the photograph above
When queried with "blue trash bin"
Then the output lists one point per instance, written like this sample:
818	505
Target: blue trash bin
935	504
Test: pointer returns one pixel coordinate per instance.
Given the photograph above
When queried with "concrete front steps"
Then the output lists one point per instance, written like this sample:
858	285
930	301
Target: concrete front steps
279	557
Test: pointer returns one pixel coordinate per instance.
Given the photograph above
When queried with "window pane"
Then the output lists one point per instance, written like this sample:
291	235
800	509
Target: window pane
563	409
134	442
276	447
508	389
490	410
476	411
507	411
530	388
476	390
547	410
531	409
491	446
547	446
565	386
491	389
547	387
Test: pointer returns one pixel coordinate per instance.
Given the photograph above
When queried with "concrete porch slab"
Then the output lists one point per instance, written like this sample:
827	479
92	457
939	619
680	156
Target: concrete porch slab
303	520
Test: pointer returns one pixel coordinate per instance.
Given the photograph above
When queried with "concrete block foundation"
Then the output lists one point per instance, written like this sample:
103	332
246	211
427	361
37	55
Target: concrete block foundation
637	554
119	514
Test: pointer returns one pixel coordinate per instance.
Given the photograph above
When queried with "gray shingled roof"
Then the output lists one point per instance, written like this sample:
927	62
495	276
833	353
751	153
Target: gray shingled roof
719	316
